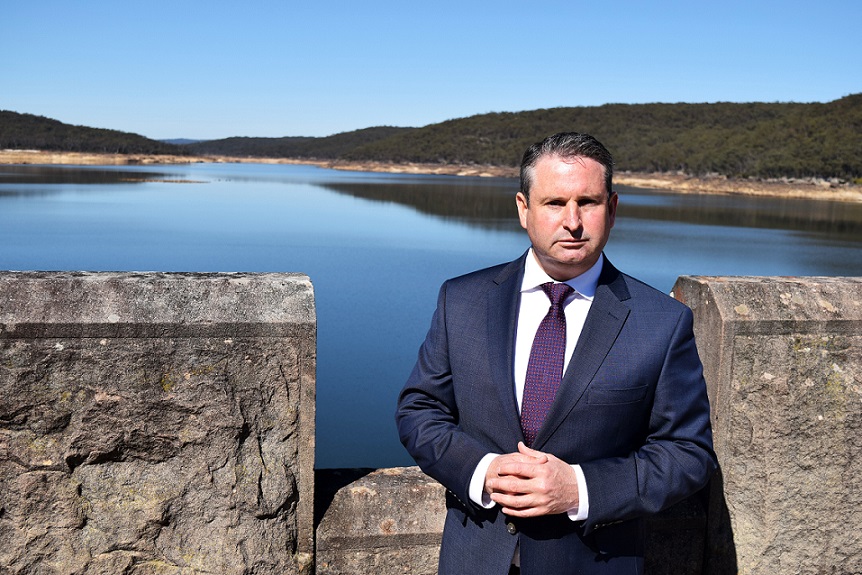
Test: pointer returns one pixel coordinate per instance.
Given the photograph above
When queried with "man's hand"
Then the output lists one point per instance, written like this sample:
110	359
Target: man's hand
531	483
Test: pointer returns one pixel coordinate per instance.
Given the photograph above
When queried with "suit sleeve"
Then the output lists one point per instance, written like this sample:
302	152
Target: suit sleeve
676	459
427	413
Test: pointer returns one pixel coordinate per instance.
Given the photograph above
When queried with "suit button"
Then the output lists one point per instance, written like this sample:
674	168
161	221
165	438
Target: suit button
511	528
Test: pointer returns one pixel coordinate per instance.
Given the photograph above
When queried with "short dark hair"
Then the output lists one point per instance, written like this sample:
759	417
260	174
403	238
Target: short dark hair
566	145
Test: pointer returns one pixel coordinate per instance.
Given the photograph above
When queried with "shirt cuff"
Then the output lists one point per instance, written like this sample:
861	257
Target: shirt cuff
476	490
580	512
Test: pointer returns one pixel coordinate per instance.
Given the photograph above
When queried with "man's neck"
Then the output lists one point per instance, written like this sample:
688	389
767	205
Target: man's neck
585	283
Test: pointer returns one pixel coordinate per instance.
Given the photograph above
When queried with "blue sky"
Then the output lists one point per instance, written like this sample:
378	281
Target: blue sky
214	69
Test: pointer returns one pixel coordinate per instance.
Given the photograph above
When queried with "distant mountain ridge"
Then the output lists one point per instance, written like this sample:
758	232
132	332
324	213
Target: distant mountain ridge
180	141
327	148
766	140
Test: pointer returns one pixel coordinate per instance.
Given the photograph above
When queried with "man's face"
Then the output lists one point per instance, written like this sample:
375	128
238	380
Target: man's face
569	215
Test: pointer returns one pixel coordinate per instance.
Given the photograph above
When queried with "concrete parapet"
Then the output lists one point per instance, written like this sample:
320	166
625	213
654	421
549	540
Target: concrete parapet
783	364
156	423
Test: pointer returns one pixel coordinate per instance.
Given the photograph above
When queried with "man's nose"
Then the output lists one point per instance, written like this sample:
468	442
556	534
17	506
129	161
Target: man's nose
571	216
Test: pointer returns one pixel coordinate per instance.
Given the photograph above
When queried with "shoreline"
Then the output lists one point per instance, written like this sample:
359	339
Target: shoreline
680	183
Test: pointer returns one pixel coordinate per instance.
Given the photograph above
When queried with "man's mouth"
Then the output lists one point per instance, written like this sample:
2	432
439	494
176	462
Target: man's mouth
572	241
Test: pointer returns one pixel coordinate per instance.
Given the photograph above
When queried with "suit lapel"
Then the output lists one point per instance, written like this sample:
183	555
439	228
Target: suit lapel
604	321
502	320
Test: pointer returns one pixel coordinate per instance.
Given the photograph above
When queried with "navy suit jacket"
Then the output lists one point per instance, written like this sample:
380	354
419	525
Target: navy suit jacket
632	410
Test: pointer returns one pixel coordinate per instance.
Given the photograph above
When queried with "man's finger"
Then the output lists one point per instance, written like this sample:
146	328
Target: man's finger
511	484
525	469
529	452
519	501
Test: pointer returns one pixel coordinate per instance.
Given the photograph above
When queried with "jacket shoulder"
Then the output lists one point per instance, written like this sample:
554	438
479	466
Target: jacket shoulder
639	289
637	294
494	274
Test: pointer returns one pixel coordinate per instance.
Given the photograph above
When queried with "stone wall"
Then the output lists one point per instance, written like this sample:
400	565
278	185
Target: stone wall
156	423
164	423
783	363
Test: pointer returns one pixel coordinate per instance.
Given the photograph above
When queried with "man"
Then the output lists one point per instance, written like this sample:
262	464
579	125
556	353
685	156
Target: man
556	430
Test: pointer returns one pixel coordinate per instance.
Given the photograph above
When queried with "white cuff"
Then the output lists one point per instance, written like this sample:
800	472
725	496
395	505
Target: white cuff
476	491
582	510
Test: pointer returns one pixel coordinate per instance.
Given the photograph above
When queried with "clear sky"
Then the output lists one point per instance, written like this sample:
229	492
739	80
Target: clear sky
218	68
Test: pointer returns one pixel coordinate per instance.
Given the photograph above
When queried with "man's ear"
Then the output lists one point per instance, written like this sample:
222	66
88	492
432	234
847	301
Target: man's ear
521	201
612	207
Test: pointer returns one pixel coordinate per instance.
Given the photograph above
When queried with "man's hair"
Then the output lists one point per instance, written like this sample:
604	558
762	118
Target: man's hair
566	145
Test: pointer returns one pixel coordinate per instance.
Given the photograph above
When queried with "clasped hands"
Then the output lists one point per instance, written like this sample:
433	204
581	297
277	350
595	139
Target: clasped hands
531	483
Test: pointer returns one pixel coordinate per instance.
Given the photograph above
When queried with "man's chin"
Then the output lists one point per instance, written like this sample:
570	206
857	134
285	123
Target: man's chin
573	257
565	268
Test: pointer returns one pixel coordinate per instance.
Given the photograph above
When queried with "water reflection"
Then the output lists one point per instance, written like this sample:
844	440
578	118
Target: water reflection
491	204
836	220
377	247
25	180
101	175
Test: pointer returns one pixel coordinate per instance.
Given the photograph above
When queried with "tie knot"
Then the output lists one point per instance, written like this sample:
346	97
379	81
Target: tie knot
557	293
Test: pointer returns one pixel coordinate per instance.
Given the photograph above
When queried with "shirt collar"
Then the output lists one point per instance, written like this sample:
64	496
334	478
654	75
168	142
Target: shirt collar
584	284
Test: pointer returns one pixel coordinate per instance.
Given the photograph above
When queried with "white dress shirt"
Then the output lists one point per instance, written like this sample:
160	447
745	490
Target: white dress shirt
533	308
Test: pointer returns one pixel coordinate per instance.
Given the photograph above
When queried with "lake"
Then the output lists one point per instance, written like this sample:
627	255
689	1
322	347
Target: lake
377	247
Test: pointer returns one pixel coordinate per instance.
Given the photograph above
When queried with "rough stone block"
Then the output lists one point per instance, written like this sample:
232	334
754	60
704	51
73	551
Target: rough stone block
382	522
156	423
783	364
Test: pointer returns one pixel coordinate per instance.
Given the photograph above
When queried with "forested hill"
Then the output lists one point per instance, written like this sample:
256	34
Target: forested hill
767	140
739	140
29	132
328	148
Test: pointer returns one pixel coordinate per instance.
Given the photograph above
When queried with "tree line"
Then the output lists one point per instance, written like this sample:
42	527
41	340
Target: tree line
30	132
738	140
764	140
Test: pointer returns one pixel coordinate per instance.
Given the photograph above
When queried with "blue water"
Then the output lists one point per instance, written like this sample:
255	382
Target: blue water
377	247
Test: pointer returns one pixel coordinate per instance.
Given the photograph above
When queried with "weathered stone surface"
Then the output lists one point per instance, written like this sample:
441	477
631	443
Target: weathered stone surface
390	521
156	423
163	423
387	522
783	363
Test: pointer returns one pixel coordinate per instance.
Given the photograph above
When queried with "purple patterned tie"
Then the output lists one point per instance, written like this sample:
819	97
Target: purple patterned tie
545	368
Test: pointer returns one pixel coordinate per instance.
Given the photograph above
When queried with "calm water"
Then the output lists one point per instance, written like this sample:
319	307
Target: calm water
377	247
